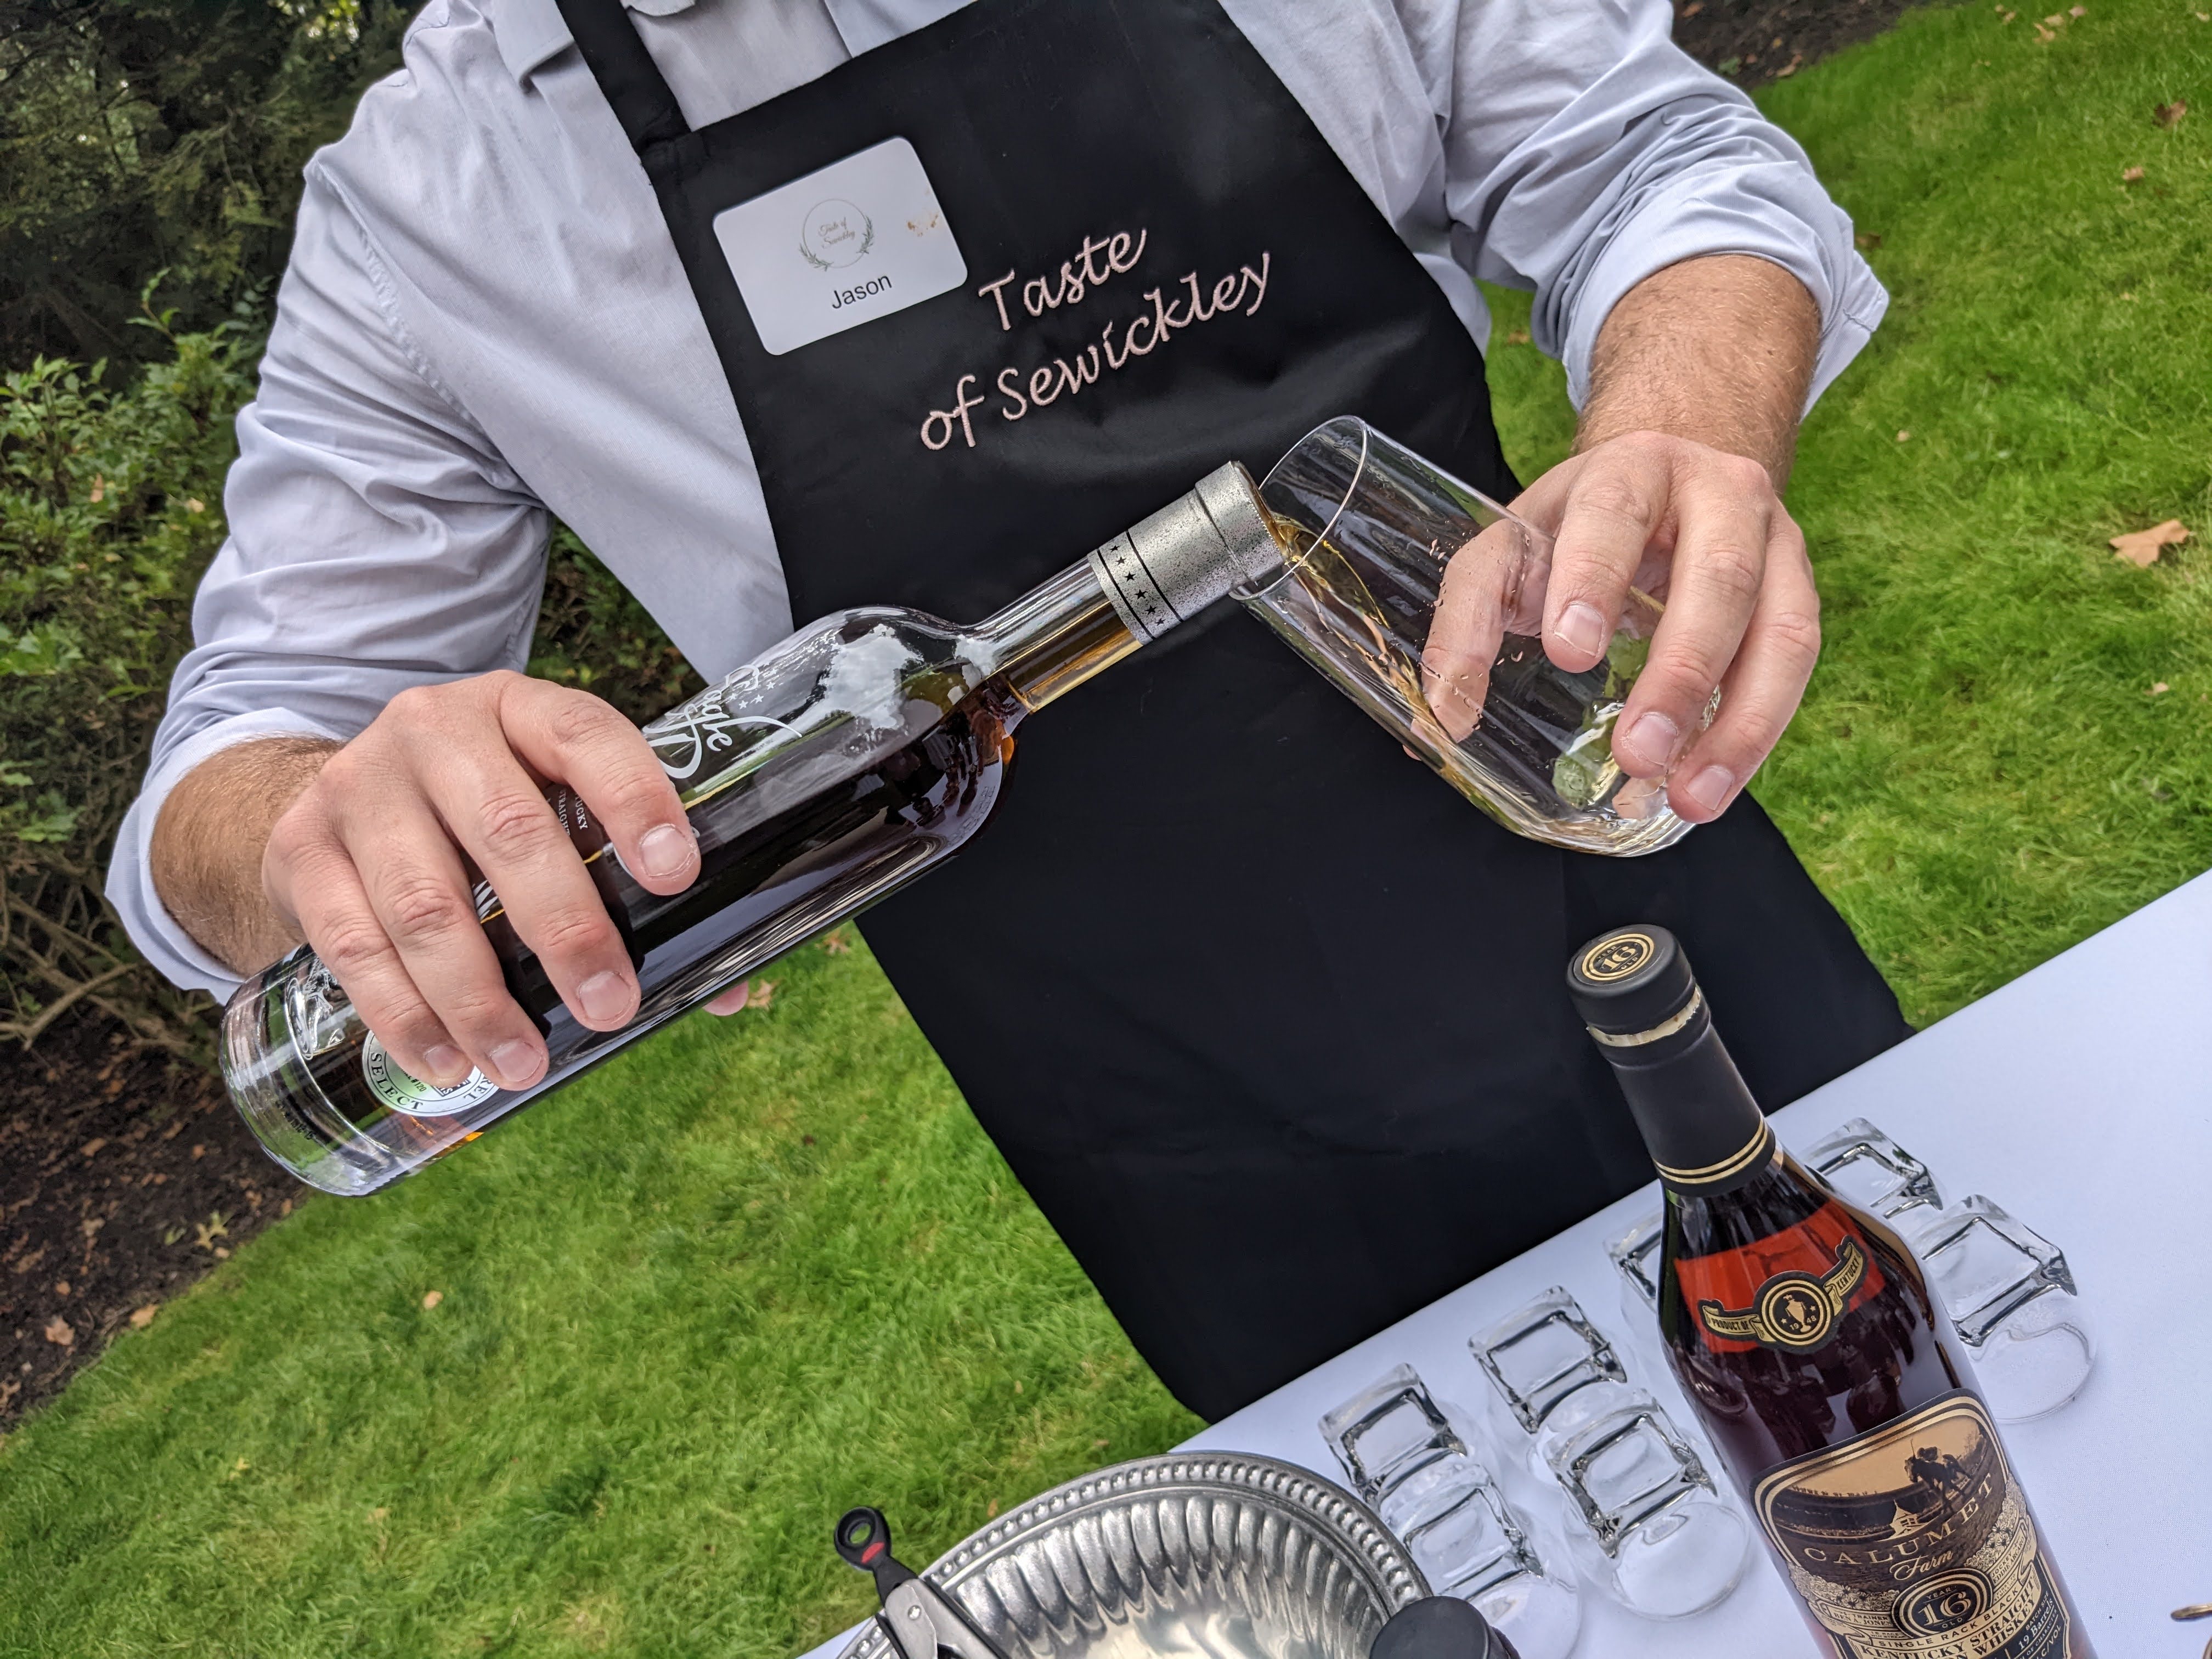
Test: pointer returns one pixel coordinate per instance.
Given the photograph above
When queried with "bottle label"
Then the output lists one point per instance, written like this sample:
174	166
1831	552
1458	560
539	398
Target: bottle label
1785	1293
403	1091
1914	1541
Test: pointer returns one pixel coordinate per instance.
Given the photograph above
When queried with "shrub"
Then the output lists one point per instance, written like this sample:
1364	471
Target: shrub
110	509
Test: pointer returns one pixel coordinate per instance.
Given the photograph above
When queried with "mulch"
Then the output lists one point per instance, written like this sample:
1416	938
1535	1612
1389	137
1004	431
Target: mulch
1755	41
125	1176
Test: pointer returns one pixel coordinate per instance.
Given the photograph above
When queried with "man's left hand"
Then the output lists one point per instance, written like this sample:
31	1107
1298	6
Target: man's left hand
1696	382
1742	613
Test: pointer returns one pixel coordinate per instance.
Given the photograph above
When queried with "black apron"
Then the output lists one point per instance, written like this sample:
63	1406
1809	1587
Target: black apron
1268	1021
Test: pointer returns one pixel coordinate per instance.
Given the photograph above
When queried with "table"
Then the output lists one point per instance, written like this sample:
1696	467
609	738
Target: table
2080	1097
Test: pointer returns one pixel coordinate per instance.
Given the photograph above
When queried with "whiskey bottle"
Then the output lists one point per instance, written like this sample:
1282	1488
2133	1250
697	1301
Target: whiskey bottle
1806	1338
826	773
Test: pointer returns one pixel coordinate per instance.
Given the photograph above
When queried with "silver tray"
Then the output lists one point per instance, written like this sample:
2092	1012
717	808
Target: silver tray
1193	1556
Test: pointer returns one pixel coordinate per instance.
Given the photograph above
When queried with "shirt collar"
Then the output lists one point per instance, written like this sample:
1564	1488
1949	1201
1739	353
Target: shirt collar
531	33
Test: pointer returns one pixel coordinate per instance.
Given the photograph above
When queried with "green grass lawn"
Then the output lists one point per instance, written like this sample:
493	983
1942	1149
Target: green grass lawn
752	1272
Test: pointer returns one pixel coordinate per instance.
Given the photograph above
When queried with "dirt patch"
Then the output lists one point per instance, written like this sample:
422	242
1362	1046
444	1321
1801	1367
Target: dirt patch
1754	42
123	1176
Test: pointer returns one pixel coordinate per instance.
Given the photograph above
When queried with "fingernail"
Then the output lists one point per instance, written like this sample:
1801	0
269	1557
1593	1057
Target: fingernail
1653	737
605	998
1580	628
665	851
1710	788
446	1064
516	1062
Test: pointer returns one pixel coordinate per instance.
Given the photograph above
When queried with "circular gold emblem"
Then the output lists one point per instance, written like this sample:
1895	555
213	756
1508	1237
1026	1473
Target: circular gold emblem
1796	1310
1617	958
1945	1603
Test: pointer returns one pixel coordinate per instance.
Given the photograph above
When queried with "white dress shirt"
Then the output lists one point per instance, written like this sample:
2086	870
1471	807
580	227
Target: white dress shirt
485	323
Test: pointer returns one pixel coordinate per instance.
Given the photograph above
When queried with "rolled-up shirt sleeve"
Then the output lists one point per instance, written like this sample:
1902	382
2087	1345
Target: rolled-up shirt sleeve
377	542
1583	151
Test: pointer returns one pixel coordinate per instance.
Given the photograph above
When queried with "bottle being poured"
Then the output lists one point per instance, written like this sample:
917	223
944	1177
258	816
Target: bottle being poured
819	778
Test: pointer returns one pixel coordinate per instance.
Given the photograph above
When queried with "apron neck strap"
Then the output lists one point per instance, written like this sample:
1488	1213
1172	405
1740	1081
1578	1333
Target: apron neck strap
625	70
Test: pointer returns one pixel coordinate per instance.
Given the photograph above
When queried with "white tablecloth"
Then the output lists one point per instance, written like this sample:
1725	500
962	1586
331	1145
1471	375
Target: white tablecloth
2080	1097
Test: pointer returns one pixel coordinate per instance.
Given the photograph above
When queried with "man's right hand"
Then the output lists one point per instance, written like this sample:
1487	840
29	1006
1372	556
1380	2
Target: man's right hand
358	850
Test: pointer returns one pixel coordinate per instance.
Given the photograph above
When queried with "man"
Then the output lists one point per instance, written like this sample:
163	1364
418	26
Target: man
1265	1020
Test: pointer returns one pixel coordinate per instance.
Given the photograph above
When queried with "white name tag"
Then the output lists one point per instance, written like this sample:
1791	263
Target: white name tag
859	240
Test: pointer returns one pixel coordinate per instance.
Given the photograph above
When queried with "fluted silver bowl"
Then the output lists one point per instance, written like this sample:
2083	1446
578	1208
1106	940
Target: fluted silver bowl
1207	1555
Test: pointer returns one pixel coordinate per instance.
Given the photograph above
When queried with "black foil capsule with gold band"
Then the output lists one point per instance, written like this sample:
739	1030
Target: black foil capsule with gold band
1642	1005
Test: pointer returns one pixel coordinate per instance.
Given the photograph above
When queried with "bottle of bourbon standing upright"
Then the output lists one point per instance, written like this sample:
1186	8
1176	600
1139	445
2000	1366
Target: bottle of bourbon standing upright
1826	1372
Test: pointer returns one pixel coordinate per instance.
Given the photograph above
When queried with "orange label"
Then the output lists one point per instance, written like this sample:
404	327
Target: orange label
1786	1291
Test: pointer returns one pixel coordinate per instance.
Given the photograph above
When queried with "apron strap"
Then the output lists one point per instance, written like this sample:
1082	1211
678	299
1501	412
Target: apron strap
625	70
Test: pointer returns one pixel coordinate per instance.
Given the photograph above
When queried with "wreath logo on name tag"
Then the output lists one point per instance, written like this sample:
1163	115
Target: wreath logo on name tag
835	233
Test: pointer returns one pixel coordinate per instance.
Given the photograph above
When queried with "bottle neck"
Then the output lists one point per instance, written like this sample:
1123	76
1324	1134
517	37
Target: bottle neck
1699	1122
1160	572
1053	638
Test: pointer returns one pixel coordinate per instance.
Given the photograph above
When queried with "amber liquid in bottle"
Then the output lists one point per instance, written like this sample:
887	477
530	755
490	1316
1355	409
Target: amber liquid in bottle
823	779
1824	1370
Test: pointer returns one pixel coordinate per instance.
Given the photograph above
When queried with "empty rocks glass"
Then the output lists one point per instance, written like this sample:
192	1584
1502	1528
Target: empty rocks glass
1409	1461
1646	1523
2012	1296
1865	1167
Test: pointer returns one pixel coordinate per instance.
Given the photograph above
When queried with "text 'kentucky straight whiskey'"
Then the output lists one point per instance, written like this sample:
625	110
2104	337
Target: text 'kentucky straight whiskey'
1806	1339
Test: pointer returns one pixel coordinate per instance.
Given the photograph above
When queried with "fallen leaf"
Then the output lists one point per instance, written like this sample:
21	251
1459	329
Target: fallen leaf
379	1513
2130	175
1903	436
99	489
93	1146
2044	34
210	1230
59	1334
761	994
199	1149
2128	297
285	1208
837	944
1694	7
61	1287
1017	1385
2057	19
1797	61
992	1513
1516	337
2167	114
141	1317
238	1469
1100	1445
432	1298
2159	688
194	504
2141	548
222	1252
91	1224
1868	239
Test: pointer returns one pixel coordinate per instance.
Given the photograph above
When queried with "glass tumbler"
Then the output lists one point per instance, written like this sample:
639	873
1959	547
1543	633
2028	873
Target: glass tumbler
1421	600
